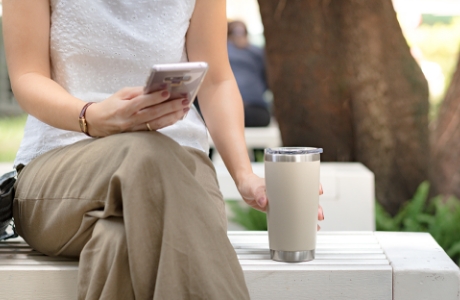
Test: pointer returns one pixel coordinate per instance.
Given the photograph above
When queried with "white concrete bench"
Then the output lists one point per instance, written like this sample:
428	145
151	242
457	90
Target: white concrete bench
348	265
348	199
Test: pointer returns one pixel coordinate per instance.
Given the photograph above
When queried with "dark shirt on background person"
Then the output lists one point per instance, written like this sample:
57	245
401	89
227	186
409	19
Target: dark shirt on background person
248	66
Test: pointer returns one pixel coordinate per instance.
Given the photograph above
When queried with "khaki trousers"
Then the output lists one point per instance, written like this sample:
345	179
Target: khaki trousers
144	214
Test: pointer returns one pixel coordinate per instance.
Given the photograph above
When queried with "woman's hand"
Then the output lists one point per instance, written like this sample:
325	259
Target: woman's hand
130	109
252	189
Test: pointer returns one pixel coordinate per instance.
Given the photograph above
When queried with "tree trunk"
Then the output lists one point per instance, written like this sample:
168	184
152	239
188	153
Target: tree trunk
343	79
445	172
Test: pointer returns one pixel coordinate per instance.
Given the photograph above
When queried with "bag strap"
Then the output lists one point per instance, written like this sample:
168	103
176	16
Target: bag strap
5	235
7	181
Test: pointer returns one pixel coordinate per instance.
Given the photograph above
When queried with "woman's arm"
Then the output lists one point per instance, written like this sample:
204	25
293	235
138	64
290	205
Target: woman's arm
26	31
220	99
26	25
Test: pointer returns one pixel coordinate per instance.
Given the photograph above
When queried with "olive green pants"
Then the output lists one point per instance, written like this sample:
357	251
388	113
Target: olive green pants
144	214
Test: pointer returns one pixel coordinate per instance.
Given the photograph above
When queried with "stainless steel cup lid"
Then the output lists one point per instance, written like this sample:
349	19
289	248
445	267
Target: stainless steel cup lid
292	154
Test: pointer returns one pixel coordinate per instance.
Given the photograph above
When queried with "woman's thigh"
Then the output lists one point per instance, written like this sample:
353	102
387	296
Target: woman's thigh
60	193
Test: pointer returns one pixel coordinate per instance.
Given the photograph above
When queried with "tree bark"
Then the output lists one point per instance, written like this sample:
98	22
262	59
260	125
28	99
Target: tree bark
445	172
343	79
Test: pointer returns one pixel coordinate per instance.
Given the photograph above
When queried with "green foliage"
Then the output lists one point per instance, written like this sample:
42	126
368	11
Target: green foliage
439	217
259	155
430	19
11	133
246	216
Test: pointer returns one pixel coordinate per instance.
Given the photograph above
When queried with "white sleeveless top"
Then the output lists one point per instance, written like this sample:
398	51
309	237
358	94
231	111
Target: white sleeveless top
98	47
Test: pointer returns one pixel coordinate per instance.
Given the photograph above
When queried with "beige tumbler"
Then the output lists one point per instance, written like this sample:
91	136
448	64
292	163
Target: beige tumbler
292	182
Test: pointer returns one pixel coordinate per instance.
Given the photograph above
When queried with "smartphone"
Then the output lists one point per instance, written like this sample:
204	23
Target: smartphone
180	79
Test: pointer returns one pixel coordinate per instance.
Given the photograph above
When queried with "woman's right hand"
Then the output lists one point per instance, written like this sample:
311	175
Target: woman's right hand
130	109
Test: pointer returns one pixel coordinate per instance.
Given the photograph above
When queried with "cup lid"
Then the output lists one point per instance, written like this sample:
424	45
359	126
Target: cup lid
293	150
292	154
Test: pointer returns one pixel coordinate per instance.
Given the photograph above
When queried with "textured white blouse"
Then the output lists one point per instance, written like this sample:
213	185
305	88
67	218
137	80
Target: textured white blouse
98	47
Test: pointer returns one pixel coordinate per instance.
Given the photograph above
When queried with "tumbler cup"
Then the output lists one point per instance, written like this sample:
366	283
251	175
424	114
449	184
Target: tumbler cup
292	183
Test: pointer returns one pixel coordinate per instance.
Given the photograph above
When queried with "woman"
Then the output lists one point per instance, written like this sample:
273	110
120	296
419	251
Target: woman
141	208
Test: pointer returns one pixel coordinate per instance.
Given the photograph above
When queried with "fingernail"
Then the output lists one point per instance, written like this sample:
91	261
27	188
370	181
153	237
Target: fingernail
183	94
185	101
165	94
186	109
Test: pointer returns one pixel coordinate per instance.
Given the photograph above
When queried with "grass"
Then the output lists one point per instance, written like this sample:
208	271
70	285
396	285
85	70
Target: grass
11	133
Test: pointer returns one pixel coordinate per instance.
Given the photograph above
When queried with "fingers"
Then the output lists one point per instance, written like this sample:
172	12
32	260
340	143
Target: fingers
156	111
144	101
164	120
129	109
129	93
320	216
261	197
320	209
259	201
252	189
320	213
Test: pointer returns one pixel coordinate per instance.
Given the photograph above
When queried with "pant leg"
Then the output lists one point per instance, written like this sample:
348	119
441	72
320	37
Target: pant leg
168	198
104	263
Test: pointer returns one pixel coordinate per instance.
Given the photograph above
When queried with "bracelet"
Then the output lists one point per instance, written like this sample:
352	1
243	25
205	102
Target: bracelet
82	119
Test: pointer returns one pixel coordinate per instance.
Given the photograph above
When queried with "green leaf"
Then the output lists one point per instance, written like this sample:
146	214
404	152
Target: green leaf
383	220
454	249
246	216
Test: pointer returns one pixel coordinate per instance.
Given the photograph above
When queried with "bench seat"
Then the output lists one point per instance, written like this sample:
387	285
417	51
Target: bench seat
348	265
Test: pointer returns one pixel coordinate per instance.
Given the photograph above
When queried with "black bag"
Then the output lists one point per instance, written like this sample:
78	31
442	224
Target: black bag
6	204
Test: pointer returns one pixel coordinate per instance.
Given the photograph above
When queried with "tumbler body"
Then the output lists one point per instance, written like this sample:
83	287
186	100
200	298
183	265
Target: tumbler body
292	183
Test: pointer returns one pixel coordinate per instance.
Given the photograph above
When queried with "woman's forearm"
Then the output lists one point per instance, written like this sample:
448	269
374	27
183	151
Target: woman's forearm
225	121
220	99
46	100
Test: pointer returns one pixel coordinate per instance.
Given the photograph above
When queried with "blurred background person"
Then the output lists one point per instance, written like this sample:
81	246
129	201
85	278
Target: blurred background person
248	65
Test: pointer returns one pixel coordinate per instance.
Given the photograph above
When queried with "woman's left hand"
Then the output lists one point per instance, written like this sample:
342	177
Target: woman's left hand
252	189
